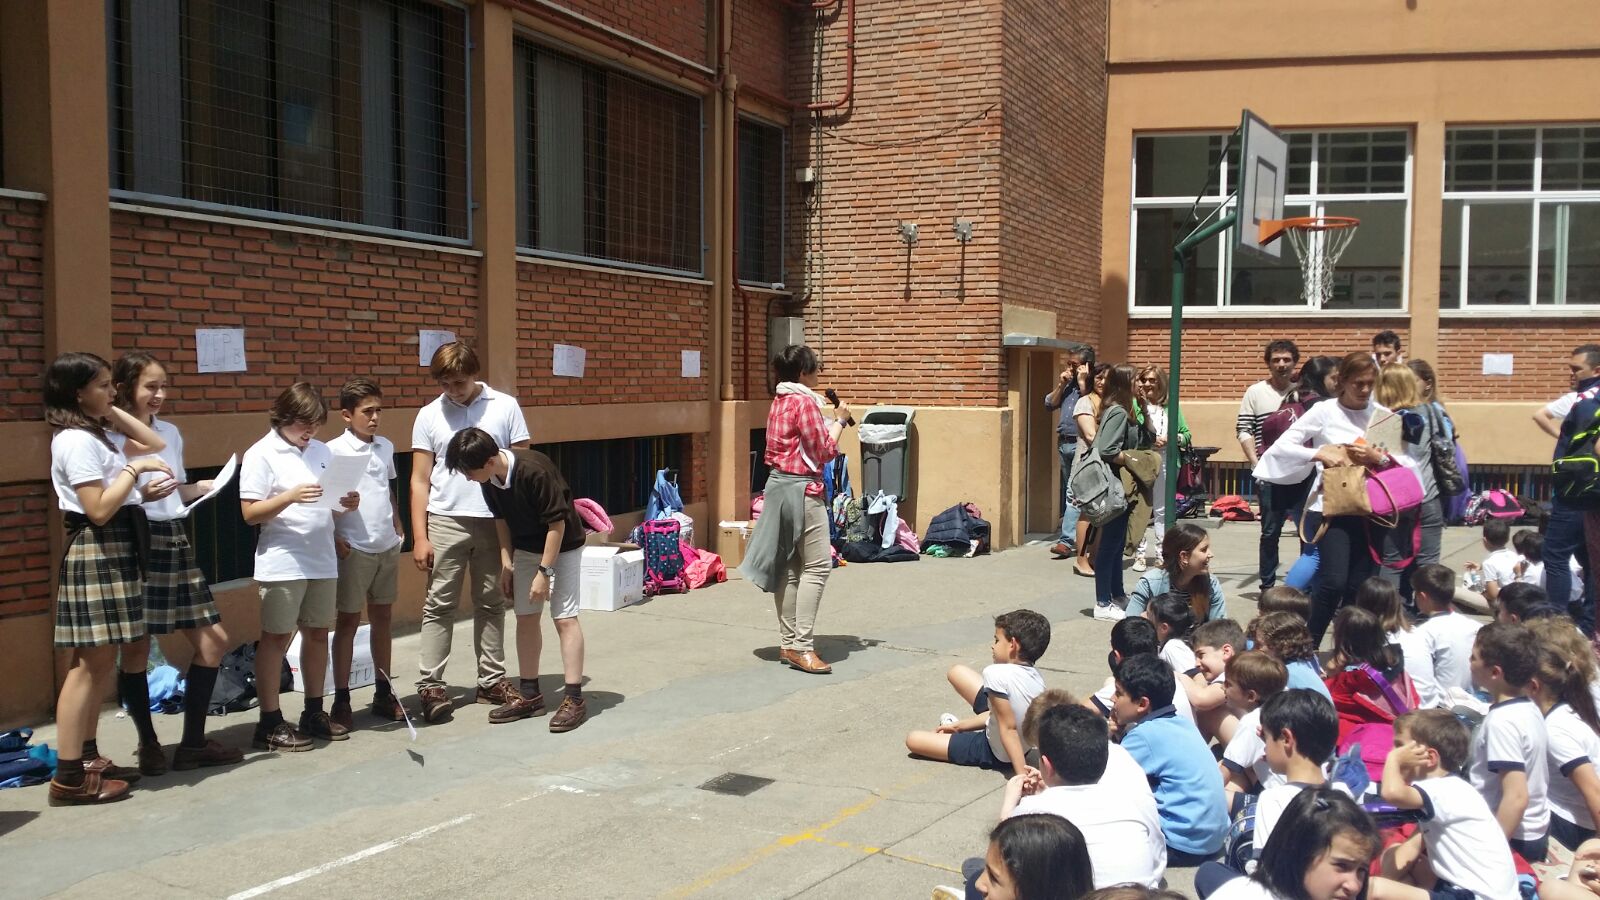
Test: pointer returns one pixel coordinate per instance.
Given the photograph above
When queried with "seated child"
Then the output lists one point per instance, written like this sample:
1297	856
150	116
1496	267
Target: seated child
1299	728
1120	767
1524	603
1174	621
1322	849
999	699
1529	569
1499	567
1253	677
1215	643
1035	856
1449	633
1464	845
1381	598
1566	669
1119	820
1368	682
1130	637
1185	571
1188	788
1286	636
1282	598
1510	751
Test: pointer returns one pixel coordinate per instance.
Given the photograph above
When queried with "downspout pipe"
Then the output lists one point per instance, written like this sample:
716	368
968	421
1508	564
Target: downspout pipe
849	94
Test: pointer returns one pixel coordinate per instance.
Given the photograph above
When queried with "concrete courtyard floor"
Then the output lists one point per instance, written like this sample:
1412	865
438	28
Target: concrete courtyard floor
682	689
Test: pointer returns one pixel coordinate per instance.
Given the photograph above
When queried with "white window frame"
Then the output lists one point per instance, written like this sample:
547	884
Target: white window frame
1538	198
1317	203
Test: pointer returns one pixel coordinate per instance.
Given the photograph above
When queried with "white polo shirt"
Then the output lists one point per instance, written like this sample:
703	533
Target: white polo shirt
1465	844
1512	738
450	493
370	526
78	457
1451	636
1247	752
1121	827
1572	744
1501	566
298	542
171	506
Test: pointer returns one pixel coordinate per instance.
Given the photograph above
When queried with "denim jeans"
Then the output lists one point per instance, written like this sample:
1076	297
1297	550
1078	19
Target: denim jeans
1108	561
1278	502
1564	539
1346	561
1069	513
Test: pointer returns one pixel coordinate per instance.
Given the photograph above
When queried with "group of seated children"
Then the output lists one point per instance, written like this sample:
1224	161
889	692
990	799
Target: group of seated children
1304	750
1514	559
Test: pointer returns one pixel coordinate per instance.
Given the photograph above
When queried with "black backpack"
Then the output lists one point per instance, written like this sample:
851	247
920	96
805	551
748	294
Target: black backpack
1442	456
235	690
1575	471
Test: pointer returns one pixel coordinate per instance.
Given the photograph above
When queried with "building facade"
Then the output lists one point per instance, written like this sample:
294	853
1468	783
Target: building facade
1466	140
651	182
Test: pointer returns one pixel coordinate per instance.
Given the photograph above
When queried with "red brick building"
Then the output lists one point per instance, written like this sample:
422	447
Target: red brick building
646	181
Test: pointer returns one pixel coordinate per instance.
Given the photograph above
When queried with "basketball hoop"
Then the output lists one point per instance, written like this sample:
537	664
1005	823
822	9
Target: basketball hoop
1318	241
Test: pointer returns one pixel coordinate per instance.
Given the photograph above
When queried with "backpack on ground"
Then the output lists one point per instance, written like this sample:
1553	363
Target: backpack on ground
235	690
1575	471
1233	508
958	531
663	557
1493	504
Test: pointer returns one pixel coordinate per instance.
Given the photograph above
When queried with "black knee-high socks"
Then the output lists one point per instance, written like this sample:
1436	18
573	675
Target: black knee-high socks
197	704
135	692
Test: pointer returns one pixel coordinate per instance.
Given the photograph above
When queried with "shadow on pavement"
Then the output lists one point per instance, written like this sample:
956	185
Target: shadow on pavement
11	821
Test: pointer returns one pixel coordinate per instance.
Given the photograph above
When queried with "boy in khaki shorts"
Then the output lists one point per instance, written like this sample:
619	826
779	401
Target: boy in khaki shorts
296	569
368	545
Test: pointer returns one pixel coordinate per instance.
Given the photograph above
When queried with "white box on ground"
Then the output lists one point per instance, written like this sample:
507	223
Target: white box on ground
362	672
613	577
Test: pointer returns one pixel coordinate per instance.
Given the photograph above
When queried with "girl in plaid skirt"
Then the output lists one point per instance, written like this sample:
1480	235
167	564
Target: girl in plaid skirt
100	596
176	596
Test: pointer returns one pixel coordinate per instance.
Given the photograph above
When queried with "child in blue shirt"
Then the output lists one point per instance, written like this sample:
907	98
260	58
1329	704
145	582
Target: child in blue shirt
1285	636
1182	772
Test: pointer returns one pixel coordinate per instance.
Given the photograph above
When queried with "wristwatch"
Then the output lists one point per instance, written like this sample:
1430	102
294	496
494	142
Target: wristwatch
547	571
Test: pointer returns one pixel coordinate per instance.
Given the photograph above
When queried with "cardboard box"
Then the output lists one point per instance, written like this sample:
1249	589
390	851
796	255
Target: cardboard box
612	577
362	672
732	541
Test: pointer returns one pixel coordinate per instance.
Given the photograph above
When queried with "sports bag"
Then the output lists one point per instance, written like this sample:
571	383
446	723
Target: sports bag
235	690
1233	508
1575	472
1493	504
1097	490
1442	456
663	557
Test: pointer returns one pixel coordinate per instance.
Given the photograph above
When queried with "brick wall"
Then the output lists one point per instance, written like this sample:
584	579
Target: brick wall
760	38
21	308
1054	86
632	328
751	368
315	308
1223	357
25	545
1540	349
677	26
920	143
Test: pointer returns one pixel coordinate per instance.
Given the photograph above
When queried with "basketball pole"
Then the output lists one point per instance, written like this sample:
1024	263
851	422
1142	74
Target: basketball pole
1180	263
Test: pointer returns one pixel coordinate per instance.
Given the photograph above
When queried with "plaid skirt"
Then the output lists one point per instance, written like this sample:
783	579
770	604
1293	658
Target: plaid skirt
100	598
176	595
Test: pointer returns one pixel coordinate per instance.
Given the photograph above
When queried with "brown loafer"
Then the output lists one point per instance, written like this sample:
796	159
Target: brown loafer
152	759
435	703
500	693
212	754
342	715
110	771
521	708
569	715
281	737
806	661
318	726
93	790
388	708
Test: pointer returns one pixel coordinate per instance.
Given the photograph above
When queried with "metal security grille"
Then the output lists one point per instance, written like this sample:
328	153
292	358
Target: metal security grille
347	110
760	246
609	165
619	473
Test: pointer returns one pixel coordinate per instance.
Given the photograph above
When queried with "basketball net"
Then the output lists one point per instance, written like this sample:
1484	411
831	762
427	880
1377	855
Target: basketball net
1319	243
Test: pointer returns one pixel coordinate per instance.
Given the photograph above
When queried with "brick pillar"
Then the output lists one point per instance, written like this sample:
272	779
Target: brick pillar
1427	214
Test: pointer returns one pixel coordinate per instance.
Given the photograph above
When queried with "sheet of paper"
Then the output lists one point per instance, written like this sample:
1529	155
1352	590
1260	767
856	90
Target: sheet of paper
691	363
567	361
218	483
219	349
1497	364
1386	434
342	476
429	342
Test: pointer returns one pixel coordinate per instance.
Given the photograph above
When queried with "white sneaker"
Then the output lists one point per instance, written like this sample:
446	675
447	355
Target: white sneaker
1139	565
1109	613
948	719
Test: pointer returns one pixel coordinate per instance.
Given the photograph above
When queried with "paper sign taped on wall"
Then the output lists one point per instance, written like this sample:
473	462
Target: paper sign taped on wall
429	342
567	361
691	364
219	349
1497	364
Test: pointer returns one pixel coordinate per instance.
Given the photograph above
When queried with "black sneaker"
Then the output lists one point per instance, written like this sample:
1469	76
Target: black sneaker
317	726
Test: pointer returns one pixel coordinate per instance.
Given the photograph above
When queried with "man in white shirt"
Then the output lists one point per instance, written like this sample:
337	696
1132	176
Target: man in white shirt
1568	532
1111	804
1261	400
1584	366
455	530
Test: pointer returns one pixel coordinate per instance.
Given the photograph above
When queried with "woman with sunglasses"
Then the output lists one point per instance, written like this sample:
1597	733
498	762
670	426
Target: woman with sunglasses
1151	389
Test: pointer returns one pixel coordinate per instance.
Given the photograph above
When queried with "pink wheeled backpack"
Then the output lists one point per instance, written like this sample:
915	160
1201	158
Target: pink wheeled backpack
663	558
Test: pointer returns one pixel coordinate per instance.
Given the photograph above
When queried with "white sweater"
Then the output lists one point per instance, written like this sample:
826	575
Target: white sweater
1289	461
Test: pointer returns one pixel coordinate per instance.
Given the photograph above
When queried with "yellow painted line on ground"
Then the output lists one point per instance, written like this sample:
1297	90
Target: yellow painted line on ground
811	835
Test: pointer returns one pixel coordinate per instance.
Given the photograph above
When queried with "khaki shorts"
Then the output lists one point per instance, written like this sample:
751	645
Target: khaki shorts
368	578
308	603
563	587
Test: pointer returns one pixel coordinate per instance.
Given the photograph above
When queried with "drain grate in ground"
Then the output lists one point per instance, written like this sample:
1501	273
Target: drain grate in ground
735	785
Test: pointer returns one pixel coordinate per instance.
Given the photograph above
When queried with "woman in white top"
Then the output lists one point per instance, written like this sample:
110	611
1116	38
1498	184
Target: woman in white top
100	585
1336	434
1152	388
1087	415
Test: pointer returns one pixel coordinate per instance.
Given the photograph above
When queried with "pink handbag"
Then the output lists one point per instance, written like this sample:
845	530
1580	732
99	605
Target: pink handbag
1392	491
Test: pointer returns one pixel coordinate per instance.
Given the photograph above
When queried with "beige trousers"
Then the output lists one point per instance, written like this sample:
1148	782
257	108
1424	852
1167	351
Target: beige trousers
460	542
800	593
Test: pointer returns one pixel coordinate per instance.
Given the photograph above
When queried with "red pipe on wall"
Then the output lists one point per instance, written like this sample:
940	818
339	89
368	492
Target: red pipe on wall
849	63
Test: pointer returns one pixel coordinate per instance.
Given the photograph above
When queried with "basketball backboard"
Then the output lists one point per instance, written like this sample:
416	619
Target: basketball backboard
1263	174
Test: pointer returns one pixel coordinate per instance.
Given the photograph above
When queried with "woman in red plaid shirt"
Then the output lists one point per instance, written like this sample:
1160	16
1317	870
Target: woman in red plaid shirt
789	554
